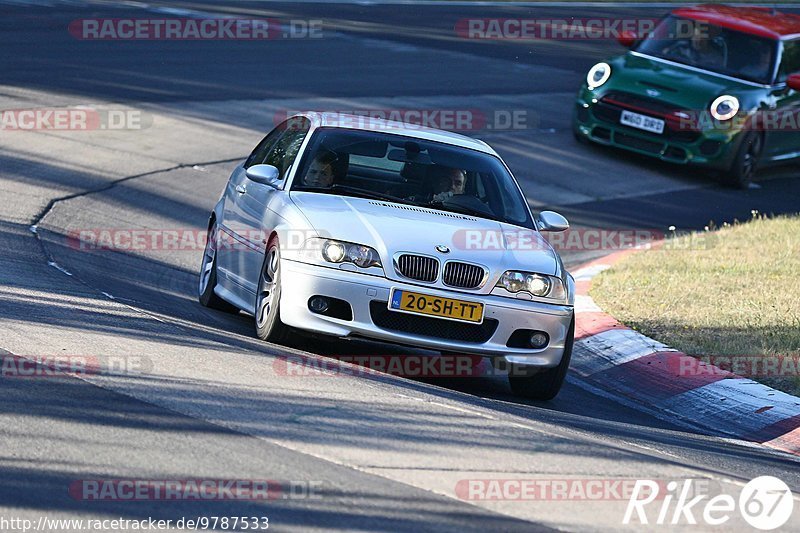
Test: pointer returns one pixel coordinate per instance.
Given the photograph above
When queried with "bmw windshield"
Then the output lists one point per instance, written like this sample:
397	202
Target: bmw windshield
713	48
411	171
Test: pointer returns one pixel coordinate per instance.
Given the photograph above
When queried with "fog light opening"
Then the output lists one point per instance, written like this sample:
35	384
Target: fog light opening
538	340
318	304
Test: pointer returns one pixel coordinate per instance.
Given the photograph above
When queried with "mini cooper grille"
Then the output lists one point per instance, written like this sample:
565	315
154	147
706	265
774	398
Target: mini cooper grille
463	275
610	107
418	267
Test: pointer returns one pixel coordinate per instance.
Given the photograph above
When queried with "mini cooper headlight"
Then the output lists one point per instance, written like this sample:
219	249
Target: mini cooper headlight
358	254
598	75
536	284
724	107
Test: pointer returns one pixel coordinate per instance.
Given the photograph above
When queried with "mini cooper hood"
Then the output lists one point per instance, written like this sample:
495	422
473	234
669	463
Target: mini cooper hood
391	228
674	84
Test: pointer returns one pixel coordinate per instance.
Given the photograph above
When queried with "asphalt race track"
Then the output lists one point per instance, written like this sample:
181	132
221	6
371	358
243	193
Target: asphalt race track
209	401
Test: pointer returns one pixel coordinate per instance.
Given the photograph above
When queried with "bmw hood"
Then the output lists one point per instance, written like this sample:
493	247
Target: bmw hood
391	228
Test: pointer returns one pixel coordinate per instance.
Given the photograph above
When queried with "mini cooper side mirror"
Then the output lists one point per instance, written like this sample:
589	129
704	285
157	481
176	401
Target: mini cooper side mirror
263	174
793	81
626	38
552	221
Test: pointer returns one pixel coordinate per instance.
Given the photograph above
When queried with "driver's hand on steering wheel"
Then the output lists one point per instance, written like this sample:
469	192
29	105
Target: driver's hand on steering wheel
442	196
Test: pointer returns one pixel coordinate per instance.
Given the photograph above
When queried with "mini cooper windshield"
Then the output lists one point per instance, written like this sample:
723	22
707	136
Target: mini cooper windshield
412	171
713	48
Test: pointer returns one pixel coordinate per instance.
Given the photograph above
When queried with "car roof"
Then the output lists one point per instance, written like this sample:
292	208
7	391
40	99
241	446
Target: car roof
764	22
367	123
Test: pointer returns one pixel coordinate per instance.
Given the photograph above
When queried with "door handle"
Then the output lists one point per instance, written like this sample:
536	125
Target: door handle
241	189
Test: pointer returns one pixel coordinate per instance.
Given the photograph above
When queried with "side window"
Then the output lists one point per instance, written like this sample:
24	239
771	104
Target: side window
285	150
790	60
260	152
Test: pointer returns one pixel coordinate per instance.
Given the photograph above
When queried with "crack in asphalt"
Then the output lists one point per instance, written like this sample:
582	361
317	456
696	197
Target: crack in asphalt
51	260
34	226
44	212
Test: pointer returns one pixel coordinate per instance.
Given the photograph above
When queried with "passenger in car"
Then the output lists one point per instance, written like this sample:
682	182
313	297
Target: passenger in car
450	183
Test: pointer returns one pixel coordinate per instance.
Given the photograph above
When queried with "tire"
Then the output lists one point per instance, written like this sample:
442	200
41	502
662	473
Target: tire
208	276
745	164
268	297
545	384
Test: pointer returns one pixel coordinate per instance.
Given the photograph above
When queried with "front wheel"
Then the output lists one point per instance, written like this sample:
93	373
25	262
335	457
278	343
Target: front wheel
208	275
545	384
268	317
744	166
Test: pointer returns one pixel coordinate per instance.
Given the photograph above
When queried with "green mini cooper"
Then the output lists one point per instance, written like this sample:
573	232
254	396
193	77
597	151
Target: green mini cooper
711	85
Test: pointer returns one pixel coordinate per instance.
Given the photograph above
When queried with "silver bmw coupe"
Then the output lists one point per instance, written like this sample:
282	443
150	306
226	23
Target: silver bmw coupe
345	225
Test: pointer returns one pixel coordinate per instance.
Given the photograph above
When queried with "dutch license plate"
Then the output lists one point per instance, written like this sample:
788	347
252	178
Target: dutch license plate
642	122
425	304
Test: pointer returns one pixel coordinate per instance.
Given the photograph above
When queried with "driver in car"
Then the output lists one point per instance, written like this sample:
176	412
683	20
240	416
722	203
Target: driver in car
320	172
450	184
706	46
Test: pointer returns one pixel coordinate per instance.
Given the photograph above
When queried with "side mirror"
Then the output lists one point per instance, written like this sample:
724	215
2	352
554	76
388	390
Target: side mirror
627	38
263	174
552	221
793	81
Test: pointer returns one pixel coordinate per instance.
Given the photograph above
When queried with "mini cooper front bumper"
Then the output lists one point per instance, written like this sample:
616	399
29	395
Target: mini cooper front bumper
597	118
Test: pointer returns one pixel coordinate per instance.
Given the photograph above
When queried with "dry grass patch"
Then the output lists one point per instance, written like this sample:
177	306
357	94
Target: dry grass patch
730	292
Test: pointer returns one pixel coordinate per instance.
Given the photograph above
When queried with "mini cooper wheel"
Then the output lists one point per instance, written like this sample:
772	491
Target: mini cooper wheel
544	384
208	275
745	163
268	317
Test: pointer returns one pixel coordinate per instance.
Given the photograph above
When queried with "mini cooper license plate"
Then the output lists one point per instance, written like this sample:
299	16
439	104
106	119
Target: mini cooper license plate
425	304
642	122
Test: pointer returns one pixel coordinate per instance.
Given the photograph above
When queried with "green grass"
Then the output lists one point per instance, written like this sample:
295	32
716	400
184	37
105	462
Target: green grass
733	291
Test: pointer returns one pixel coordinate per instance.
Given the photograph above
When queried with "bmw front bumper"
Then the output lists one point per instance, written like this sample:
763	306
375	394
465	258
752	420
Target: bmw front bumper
369	295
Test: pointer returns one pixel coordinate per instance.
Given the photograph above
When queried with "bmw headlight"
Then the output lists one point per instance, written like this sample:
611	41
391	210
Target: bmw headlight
539	285
362	256
598	75
724	107
332	251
